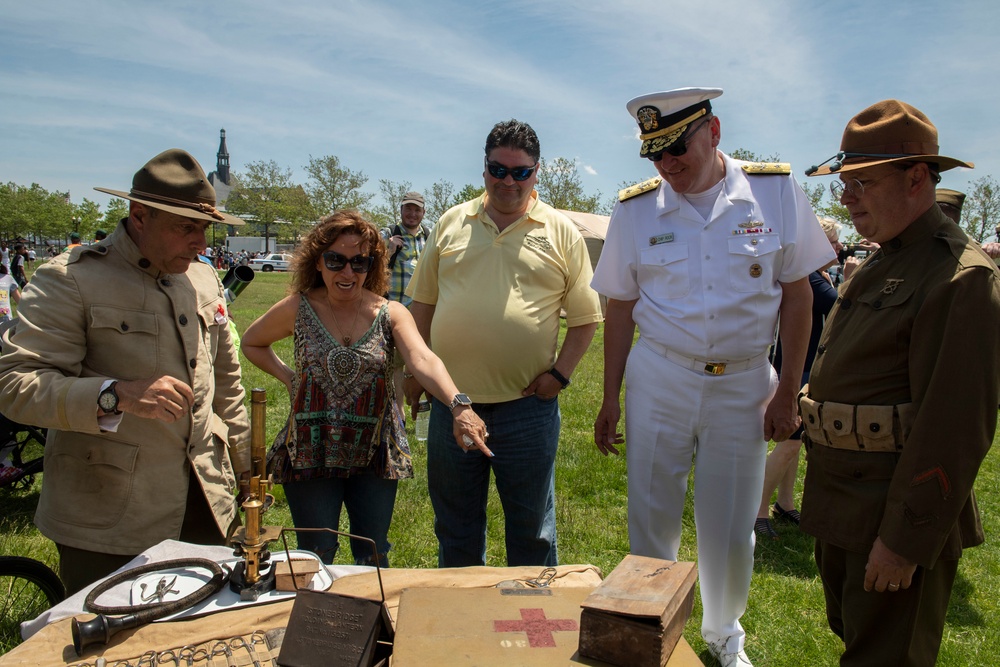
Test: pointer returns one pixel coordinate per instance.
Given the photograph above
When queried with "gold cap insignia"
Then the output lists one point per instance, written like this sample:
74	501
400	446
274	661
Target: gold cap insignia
649	118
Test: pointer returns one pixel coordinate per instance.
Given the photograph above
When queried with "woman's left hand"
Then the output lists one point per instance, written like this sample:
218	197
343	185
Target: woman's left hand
470	430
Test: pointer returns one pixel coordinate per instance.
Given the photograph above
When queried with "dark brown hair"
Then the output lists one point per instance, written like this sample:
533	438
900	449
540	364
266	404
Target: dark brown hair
323	235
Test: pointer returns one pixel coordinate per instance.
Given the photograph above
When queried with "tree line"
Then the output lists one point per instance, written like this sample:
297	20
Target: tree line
36	215
274	205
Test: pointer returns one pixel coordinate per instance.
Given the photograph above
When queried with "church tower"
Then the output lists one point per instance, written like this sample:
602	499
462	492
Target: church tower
222	159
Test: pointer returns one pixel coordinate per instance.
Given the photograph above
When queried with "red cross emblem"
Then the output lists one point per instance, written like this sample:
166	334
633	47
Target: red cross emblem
538	628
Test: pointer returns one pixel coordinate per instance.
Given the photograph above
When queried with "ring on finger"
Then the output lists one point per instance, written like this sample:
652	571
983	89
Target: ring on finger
469	442
893	587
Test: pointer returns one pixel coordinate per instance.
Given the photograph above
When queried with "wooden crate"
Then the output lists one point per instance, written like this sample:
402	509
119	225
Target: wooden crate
637	615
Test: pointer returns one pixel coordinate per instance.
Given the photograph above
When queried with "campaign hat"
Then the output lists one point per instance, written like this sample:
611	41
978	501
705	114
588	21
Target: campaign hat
886	132
173	181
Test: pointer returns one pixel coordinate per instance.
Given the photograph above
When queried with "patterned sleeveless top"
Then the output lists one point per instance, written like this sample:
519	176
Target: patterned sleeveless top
344	419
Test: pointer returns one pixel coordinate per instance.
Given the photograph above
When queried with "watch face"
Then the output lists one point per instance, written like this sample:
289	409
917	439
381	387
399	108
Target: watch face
108	401
460	399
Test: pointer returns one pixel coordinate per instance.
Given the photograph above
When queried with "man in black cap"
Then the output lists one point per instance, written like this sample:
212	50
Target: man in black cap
897	419
124	353
702	259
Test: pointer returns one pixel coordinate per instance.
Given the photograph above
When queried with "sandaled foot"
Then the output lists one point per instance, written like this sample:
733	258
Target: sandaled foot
781	514
764	530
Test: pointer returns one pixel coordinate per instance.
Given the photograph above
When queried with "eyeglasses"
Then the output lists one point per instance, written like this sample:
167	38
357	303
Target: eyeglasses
854	187
678	148
359	263
499	171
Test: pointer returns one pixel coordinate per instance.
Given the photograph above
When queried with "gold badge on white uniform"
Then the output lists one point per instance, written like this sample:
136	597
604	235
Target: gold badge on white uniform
755	271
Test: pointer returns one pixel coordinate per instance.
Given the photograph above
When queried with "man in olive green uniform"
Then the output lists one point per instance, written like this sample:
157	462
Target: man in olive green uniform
123	351
898	415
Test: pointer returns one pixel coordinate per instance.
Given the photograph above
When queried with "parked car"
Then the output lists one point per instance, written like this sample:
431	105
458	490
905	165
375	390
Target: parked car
271	262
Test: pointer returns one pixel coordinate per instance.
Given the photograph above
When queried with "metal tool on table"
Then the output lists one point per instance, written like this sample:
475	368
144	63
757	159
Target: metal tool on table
255	574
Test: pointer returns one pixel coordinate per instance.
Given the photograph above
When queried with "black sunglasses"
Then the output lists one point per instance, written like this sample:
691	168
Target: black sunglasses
359	263
678	148
499	172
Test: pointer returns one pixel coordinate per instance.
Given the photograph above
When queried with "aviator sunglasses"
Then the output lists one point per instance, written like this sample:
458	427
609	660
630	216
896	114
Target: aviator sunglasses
499	172
359	263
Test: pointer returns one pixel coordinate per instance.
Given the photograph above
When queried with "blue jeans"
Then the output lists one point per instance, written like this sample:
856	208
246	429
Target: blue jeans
316	503
524	437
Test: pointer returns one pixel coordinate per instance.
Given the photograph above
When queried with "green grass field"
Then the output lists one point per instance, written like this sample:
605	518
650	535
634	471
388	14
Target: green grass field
785	619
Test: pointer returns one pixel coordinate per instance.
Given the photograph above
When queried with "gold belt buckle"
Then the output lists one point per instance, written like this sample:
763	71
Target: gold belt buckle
715	368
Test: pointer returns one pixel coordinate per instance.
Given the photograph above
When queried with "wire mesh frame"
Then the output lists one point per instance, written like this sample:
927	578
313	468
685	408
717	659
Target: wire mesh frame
288	554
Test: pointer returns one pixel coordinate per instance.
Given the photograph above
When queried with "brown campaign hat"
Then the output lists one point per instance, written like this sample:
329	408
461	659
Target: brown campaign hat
888	131
173	181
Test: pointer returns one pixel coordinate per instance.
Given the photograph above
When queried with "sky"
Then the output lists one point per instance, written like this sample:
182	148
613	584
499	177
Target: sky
407	91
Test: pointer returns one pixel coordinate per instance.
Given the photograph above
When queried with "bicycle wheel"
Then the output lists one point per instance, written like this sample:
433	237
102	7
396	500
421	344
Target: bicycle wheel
28	444
27	588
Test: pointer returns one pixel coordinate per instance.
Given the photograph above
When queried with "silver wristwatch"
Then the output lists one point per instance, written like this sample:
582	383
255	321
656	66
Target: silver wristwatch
460	399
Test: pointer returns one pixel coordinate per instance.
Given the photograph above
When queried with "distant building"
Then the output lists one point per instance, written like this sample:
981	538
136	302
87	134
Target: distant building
220	177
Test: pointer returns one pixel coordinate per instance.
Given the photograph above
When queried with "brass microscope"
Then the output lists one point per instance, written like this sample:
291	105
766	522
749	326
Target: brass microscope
255	574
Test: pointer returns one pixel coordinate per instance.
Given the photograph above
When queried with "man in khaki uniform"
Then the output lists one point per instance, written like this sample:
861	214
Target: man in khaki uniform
124	353
898	415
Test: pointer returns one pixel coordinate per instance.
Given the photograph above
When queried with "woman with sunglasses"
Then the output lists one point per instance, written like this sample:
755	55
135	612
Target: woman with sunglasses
344	443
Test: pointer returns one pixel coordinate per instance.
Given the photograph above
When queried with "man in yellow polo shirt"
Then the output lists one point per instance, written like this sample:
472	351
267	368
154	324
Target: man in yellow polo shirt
487	294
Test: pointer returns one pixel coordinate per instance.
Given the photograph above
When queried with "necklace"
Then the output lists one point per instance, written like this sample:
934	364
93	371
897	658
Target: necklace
346	339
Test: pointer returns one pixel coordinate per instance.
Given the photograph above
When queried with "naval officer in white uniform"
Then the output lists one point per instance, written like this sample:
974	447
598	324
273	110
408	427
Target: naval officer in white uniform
703	259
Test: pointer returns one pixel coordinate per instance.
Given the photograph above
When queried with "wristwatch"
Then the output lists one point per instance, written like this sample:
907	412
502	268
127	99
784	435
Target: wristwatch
563	380
107	400
460	399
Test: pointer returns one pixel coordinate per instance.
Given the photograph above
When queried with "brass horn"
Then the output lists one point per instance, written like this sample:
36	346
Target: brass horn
99	631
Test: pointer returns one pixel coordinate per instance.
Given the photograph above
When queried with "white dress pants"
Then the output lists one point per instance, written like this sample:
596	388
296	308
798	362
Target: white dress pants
674	417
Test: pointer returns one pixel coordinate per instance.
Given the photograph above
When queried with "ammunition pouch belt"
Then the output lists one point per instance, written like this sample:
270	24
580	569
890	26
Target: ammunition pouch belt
860	428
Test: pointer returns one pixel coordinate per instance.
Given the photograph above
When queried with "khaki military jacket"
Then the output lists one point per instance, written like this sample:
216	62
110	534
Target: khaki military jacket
918	322
98	313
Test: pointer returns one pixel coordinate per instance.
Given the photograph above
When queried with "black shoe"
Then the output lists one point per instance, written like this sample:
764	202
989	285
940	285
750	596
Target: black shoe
791	516
764	530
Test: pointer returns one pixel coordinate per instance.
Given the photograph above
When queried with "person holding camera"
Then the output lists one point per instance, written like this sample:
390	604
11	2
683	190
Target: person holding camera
403	244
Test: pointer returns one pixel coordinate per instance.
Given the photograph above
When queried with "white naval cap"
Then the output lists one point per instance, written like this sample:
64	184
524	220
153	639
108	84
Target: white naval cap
664	117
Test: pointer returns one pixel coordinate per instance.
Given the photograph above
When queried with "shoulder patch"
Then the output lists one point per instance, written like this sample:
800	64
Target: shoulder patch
767	168
639	188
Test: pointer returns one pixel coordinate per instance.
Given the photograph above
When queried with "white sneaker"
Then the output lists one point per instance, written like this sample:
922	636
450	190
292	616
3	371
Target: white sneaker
719	651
